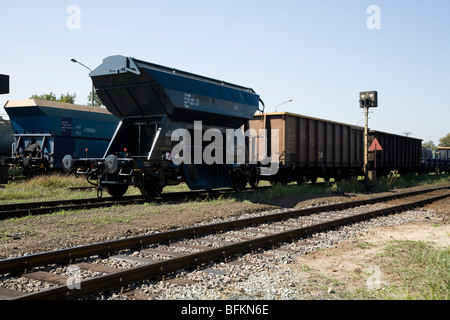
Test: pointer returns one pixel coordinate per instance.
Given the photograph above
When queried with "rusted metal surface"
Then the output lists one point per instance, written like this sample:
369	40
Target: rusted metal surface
399	152
6	293
47	277
167	253
181	282
310	142
96	267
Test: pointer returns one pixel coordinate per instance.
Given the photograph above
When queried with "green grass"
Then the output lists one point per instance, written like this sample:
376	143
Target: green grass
44	188
363	244
414	270
281	191
53	187
412	180
384	184
109	219
424	269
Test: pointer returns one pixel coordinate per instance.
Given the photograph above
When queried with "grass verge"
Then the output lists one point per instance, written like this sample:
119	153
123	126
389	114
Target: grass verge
413	270
53	187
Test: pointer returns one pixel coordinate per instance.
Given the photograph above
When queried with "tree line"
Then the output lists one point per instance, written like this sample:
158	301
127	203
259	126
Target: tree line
443	142
67	98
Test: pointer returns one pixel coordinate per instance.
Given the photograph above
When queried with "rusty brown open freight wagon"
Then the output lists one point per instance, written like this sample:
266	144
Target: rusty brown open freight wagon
400	153
308	148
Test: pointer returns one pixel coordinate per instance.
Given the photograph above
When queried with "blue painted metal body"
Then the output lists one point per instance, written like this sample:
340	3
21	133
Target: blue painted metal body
60	129
152	101
134	88
436	161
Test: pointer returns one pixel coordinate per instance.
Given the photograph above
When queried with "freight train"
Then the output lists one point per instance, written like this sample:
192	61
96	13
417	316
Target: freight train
43	132
181	127
436	161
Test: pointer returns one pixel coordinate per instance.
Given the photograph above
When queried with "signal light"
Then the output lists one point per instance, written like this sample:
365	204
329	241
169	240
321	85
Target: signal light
368	99
4	84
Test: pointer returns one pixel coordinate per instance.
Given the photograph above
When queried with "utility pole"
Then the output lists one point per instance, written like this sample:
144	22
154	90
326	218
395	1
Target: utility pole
366	140
276	109
4	84
367	99
4	89
93	89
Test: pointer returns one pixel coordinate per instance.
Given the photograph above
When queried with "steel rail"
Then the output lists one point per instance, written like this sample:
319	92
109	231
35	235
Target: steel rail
56	203
123	278
70	254
16	210
38	208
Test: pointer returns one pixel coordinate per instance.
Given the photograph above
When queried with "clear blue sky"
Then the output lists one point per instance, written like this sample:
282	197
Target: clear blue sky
320	53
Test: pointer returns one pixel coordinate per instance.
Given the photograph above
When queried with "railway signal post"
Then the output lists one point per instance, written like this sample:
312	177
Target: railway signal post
367	100
4	89
4	84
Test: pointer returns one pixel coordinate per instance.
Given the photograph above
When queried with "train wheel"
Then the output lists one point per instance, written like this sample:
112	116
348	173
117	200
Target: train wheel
117	190
300	180
152	192
254	183
150	187
254	180
278	183
239	186
239	182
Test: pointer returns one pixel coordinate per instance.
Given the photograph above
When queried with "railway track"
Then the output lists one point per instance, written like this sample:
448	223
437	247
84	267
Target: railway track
202	245
17	210
8	211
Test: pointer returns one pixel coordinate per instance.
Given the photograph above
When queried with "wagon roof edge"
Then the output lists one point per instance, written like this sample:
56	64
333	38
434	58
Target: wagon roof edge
53	104
308	117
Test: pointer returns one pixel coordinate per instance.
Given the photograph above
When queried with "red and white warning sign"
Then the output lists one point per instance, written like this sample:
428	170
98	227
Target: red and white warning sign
375	146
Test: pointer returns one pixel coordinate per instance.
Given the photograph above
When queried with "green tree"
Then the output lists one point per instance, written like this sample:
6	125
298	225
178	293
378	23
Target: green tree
97	101
429	145
67	98
445	141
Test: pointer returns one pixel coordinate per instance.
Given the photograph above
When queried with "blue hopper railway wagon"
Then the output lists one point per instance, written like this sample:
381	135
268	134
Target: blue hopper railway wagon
45	131
436	161
152	102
